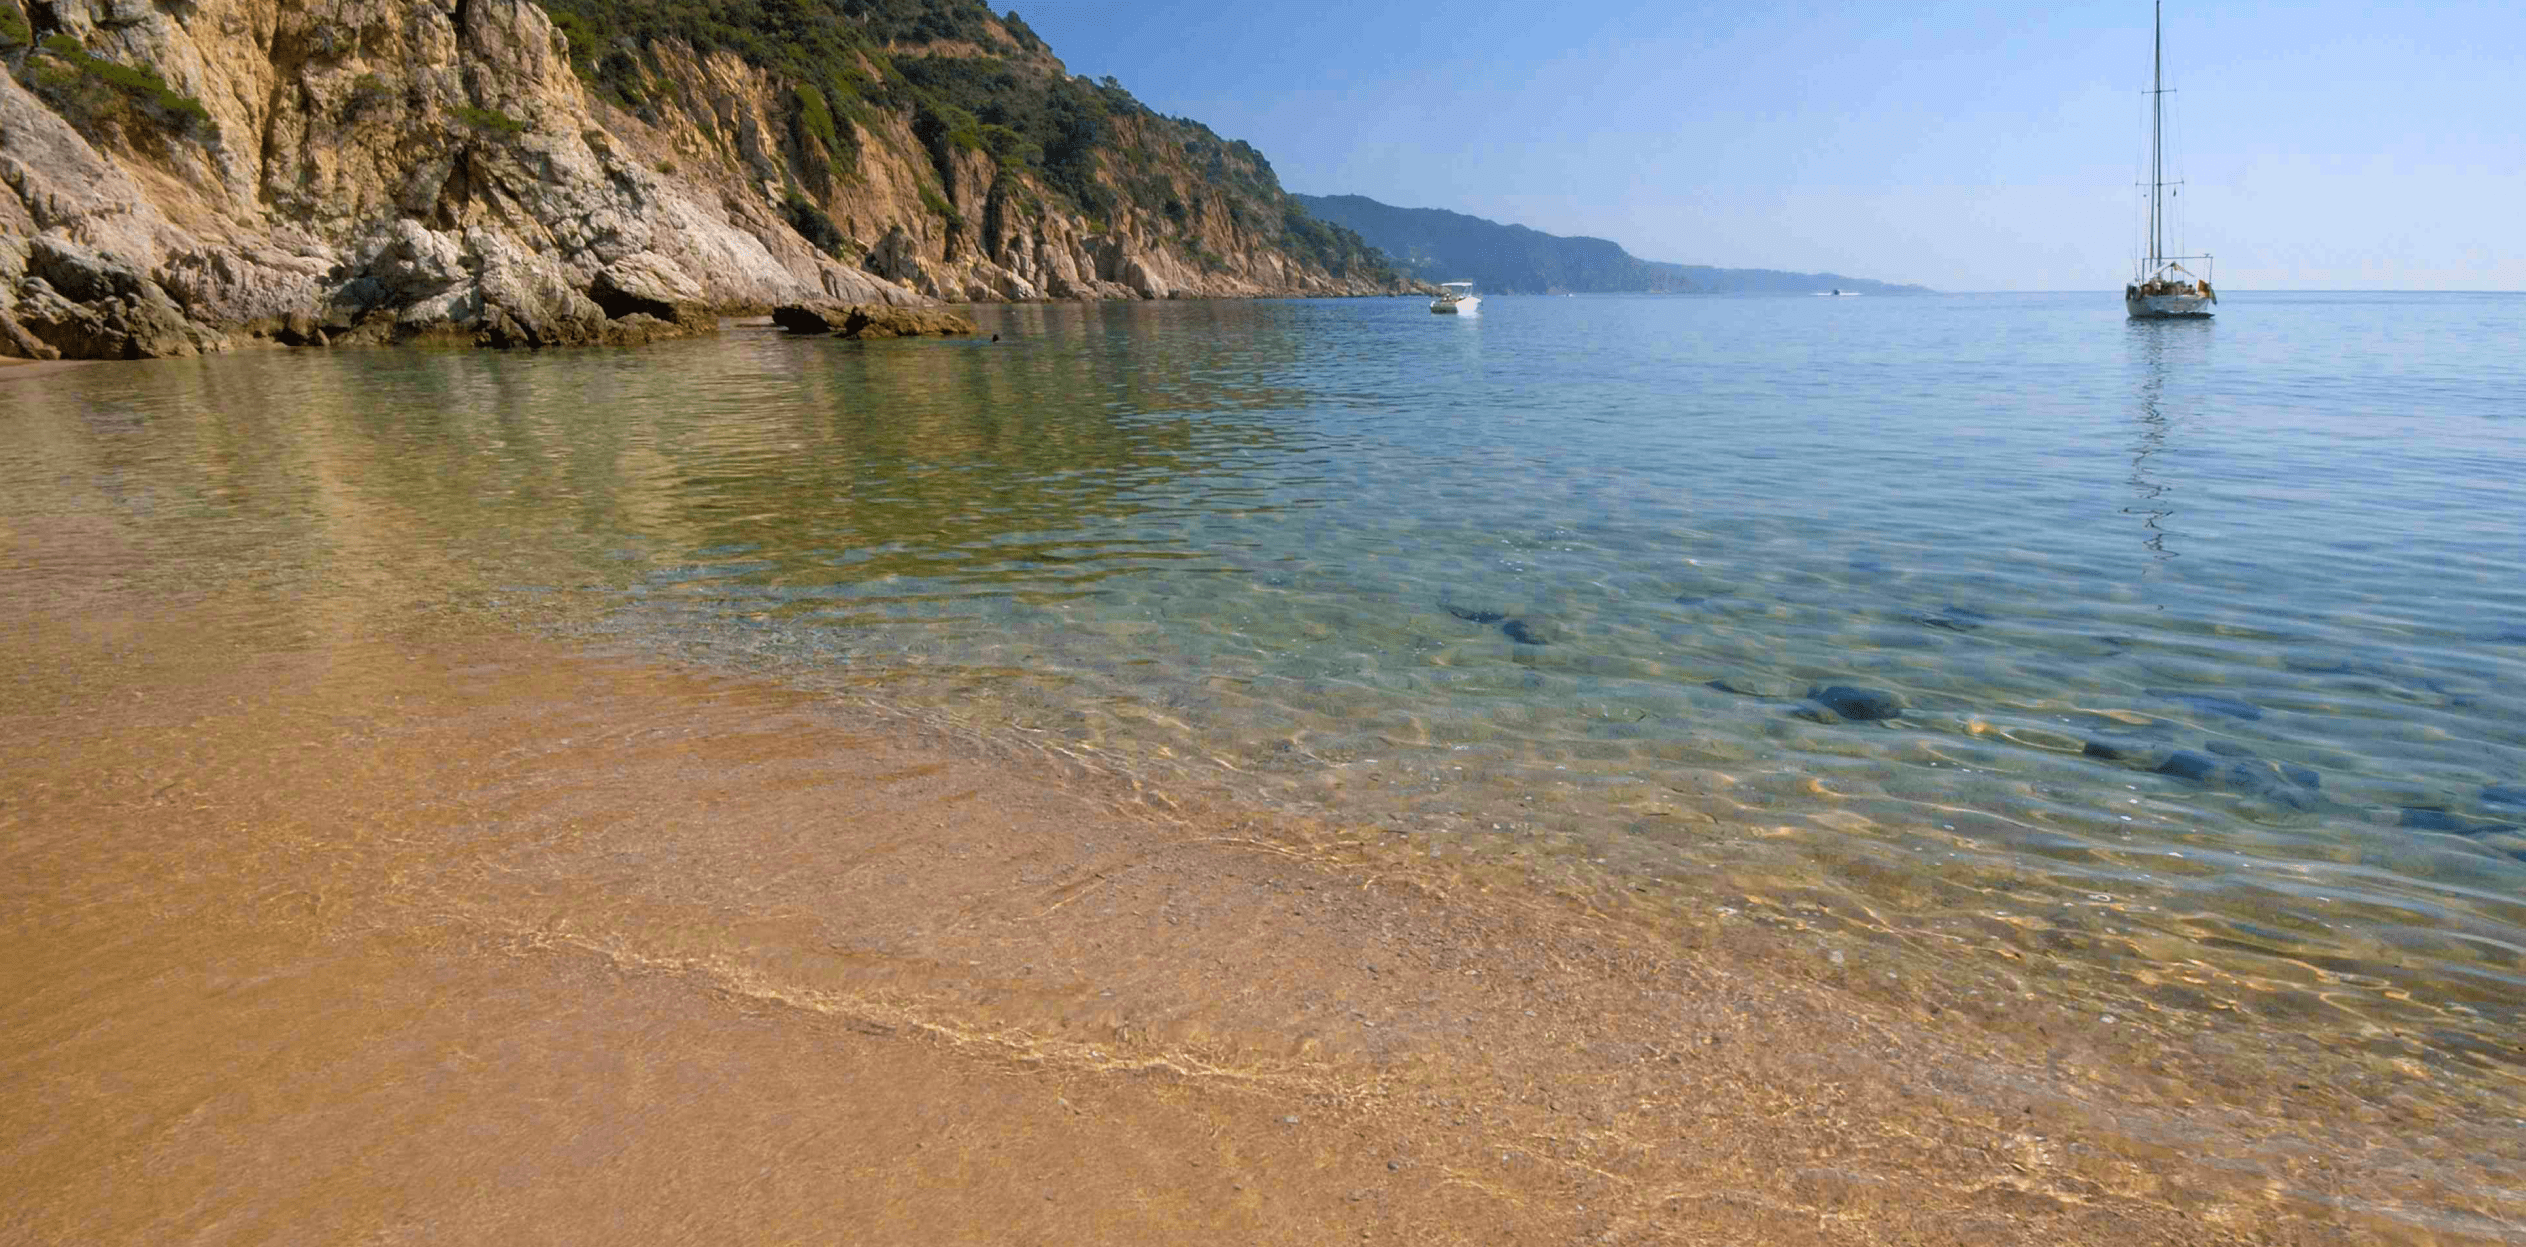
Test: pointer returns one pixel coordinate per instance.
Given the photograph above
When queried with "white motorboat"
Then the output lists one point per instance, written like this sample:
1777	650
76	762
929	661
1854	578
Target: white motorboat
2161	286
1455	297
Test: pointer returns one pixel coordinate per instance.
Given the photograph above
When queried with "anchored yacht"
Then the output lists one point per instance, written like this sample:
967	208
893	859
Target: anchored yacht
2161	286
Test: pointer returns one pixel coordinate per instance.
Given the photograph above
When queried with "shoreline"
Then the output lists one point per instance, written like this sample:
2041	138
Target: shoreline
616	334
14	369
399	915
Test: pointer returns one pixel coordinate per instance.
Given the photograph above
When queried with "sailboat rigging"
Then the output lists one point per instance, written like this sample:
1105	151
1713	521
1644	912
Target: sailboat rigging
2161	285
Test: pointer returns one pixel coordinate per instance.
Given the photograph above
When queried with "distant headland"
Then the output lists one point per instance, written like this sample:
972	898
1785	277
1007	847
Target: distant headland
1437	245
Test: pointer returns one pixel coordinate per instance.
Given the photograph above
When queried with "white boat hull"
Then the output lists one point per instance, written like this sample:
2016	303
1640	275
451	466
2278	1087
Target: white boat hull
2167	306
1451	307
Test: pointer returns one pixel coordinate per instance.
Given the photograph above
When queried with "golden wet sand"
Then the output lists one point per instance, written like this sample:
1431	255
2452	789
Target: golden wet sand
475	938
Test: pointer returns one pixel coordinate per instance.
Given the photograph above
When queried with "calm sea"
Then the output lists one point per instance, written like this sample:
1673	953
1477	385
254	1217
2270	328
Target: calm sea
2204	644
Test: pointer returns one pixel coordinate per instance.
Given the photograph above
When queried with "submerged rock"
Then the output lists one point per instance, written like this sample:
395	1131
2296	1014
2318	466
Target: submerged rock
2269	782
1861	704
2209	703
1743	687
2418	819
2238	771
2139	752
1523	633
2314	662
2423	818
1955	618
872	320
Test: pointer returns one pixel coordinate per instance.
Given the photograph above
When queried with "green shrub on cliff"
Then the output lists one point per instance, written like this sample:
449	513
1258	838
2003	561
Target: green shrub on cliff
1338	251
491	119
1020	31
817	228
836	144
813	116
583	41
1011	148
944	128
1058	124
142	86
367	92
14	31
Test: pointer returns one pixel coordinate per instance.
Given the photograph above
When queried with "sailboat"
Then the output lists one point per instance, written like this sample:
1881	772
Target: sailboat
2161	285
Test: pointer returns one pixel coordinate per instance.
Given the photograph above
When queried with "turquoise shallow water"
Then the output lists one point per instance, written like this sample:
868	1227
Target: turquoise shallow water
2209	638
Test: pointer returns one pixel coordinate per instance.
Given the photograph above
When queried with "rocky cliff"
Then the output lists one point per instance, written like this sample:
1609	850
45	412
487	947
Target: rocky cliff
180	176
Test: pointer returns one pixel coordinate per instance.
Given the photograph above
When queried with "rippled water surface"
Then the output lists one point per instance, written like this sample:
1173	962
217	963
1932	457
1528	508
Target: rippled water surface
2208	639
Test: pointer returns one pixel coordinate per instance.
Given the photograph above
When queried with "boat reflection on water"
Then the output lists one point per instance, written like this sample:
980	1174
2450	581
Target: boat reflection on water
2159	348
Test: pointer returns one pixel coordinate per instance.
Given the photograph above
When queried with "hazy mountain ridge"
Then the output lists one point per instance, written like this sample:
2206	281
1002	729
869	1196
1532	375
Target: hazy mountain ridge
1435	244
177	178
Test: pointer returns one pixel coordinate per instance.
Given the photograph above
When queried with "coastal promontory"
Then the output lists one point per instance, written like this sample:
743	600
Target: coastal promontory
179	178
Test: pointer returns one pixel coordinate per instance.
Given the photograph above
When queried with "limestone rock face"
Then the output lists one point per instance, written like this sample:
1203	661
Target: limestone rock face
372	171
369	172
88	305
646	282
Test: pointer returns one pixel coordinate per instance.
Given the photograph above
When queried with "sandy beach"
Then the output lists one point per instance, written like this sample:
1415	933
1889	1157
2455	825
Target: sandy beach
484	939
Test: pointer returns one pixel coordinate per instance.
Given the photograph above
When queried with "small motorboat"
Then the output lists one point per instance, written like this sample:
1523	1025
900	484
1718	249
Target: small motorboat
1455	297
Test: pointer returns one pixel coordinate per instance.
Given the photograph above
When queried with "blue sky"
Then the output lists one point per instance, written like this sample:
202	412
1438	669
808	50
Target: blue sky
1964	146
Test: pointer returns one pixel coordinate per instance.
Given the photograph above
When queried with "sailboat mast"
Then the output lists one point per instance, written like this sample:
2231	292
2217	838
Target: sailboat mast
2157	103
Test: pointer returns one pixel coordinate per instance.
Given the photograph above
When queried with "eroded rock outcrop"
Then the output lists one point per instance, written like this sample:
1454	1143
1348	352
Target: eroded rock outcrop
864	320
359	172
180	178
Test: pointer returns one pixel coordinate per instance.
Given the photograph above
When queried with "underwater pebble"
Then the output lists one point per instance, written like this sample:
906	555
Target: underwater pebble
2210	704
2421	818
1863	704
1742	687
